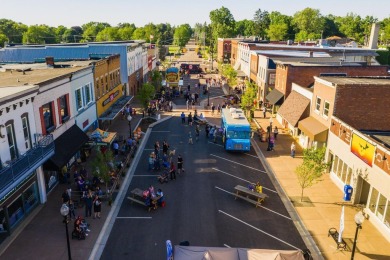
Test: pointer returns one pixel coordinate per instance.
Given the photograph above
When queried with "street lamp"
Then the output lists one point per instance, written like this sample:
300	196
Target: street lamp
65	212
359	218
129	119
208	95
269	134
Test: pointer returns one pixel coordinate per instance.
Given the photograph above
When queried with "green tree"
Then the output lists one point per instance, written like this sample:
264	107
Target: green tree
280	26
384	35
125	31
108	34
39	34
330	27
14	31
261	21
3	39
139	34
156	79
229	73
91	30
244	27
146	94
182	35
310	22
73	34
59	31
351	26
248	97
222	23
312	168
101	168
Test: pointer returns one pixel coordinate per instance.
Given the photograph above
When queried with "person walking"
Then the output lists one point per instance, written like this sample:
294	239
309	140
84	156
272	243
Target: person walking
189	119
180	164
212	109
183	118
88	205
97	207
292	150
264	112
172	171
276	132
188	104
190	138
197	131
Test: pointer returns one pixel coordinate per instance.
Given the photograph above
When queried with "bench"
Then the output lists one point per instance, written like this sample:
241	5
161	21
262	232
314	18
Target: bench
335	235
248	199
139	202
250	196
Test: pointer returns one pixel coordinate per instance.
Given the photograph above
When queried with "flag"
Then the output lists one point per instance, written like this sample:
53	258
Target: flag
341	225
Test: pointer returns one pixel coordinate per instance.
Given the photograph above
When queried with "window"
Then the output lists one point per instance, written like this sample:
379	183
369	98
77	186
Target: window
88	93
26	132
381	206
387	215
318	104
63	108
326	109
11	141
47	115
79	99
97	88
373	200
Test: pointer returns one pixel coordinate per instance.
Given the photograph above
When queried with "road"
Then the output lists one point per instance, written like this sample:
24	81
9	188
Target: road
199	206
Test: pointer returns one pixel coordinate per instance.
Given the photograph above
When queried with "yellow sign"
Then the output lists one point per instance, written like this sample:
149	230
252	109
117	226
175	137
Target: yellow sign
362	149
172	77
106	101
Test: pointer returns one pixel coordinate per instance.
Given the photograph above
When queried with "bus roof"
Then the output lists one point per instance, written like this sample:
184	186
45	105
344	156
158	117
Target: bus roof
234	117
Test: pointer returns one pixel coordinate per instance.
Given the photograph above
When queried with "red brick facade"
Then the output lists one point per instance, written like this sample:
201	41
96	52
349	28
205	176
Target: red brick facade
136	81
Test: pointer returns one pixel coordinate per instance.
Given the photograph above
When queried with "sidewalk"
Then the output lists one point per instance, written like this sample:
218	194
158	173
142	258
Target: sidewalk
323	209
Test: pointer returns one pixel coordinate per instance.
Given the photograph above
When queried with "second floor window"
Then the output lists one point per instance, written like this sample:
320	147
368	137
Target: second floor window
326	109
318	104
26	132
63	107
88	93
47	110
79	99
12	141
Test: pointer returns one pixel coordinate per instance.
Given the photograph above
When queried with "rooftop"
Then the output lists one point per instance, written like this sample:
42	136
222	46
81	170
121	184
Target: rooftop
385	81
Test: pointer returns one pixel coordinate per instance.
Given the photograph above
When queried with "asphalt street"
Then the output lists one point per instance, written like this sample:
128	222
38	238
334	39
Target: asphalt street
200	207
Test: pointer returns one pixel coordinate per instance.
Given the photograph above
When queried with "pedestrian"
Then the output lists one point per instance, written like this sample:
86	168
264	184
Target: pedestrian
292	150
115	146
271	143
276	132
188	104
172	171
197	131
180	164
97	207
207	130
65	197
190	138
212	109
219	108
183	118
264	112
88	205
165	147
71	210
189	119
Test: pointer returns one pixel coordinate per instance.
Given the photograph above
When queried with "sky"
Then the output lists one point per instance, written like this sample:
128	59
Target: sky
175	12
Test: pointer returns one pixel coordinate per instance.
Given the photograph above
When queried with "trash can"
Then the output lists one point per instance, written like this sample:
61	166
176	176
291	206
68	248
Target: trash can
347	192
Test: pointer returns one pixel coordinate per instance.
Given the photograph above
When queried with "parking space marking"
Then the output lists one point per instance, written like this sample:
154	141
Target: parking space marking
237	163
251	155
242	179
262	231
134	217
160	131
226	246
277	213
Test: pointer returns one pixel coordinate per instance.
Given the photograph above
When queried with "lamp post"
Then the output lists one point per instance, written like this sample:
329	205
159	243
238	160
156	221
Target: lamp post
129	119
208	95
65	212
269	134
359	218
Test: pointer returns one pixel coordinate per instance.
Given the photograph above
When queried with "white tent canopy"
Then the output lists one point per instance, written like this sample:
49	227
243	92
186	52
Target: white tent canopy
222	253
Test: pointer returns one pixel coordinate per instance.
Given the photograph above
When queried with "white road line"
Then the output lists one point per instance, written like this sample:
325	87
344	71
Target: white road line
237	163
216	144
262	231
134	217
277	213
251	155
226	246
242	179
141	175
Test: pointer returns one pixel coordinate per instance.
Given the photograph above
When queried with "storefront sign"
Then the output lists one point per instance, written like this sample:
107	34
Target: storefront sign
110	98
382	160
362	149
341	131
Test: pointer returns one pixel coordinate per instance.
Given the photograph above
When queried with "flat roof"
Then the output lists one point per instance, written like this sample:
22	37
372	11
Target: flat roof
321	47
358	80
236	121
292	53
13	76
9	92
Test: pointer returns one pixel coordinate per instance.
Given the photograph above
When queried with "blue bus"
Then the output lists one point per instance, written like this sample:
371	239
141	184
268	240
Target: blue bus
236	130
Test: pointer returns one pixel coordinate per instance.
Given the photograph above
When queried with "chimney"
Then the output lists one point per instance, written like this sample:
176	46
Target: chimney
373	43
50	61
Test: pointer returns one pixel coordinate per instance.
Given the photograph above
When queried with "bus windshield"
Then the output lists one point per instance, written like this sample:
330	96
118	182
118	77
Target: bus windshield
237	135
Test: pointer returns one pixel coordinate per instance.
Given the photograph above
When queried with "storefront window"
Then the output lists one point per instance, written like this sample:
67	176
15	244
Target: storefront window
335	162
51	179
344	173
30	197
339	167
348	181
373	200
381	207
387	215
15	212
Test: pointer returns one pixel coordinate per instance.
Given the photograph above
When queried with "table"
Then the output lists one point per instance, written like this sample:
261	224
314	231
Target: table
137	192
249	195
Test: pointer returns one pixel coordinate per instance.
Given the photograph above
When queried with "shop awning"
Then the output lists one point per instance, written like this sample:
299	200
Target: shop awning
274	96
314	129
241	74
294	108
66	146
99	136
115	108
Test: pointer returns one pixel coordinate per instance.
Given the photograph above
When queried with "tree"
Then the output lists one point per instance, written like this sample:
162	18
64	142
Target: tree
73	34
39	34
351	26
222	23
330	27
280	26
248	97
146	94
244	27
3	39
385	32
309	21
91	30
261	21
156	79
12	30
108	34
139	34
182	35
102	169
125	31
312	168
229	73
